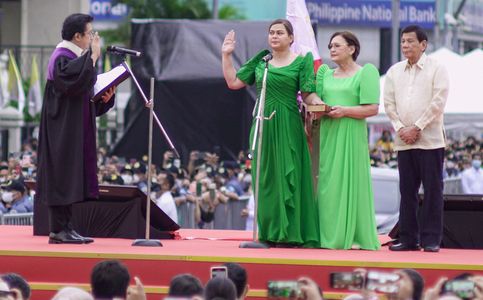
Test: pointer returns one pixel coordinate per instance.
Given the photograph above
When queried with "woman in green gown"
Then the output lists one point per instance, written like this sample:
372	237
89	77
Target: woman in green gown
287	211
344	188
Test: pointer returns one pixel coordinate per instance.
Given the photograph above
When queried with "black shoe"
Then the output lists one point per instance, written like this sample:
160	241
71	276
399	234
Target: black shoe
63	237
404	247
270	244
286	245
431	248
86	240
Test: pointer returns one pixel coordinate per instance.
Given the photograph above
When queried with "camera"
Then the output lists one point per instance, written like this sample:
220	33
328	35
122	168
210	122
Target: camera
218	271
460	288
382	282
347	280
283	289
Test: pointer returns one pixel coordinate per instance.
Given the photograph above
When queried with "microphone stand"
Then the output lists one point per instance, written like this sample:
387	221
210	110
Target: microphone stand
257	138
152	115
147	241
146	102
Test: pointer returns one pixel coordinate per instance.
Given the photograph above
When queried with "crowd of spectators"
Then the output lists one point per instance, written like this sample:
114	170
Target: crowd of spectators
110	279
203	180
462	160
458	157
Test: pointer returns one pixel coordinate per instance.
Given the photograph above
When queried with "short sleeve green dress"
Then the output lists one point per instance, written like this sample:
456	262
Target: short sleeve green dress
287	211
344	190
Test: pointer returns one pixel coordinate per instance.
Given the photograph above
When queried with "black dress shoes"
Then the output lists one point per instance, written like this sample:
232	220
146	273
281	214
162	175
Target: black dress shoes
431	248
404	247
64	237
86	240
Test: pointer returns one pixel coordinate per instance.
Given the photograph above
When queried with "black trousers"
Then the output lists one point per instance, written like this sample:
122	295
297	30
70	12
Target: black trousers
59	217
418	166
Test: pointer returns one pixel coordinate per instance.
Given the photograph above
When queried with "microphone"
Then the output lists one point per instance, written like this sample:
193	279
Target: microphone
267	57
122	51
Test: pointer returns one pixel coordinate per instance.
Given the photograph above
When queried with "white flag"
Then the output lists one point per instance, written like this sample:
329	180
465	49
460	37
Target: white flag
304	41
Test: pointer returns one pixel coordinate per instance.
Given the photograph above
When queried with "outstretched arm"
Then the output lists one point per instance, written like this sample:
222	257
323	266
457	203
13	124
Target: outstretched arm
229	71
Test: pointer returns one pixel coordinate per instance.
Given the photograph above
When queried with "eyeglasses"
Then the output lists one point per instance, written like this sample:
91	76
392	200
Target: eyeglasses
91	33
336	46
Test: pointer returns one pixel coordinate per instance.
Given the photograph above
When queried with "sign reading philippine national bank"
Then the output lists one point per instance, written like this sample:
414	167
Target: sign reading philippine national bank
372	13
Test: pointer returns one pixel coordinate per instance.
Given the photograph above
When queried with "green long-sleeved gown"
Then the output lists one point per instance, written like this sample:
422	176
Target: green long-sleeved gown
287	211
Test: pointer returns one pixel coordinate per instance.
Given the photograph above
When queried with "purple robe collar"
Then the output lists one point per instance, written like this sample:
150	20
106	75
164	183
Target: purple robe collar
57	53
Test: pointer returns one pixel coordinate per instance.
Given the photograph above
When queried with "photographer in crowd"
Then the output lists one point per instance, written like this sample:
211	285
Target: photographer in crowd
465	286
403	284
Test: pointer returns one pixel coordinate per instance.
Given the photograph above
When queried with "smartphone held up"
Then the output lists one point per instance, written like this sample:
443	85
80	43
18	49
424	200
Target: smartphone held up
218	271
288	289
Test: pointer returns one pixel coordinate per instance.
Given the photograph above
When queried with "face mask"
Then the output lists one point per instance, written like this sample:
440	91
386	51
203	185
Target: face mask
177	163
476	164
7	197
128	179
135	178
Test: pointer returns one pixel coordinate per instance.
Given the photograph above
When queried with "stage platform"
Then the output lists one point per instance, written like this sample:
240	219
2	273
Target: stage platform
49	267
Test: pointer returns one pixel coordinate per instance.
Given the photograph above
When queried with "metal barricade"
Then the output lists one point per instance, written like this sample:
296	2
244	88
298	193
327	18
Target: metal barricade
453	185
227	216
186	215
237	222
17	219
221	216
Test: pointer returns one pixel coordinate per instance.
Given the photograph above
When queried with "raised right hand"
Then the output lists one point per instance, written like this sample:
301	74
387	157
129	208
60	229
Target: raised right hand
229	43
96	47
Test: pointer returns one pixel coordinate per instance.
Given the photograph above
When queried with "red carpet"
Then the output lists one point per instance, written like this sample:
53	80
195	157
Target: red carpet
47	267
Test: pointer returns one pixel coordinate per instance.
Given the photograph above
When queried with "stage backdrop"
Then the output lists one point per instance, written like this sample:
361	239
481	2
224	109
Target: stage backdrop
192	100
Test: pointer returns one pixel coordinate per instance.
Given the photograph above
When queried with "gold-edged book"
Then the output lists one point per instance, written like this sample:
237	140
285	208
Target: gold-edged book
317	108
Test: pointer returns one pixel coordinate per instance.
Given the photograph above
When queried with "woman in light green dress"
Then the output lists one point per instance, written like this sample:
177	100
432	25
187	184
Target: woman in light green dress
287	211
344	189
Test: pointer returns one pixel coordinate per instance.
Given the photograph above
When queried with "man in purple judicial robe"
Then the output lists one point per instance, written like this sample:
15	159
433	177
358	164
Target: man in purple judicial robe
67	163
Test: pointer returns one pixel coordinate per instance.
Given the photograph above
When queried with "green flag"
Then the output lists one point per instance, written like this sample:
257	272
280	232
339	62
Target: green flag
35	94
15	87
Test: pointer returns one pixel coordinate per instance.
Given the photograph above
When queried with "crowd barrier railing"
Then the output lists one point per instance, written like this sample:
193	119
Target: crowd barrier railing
17	219
227	215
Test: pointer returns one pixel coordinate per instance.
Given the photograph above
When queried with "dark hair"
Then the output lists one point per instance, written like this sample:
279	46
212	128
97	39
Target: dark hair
16	281
185	285
286	23
420	34
170	179
109	279
220	288
351	40
75	23
417	281
238	275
